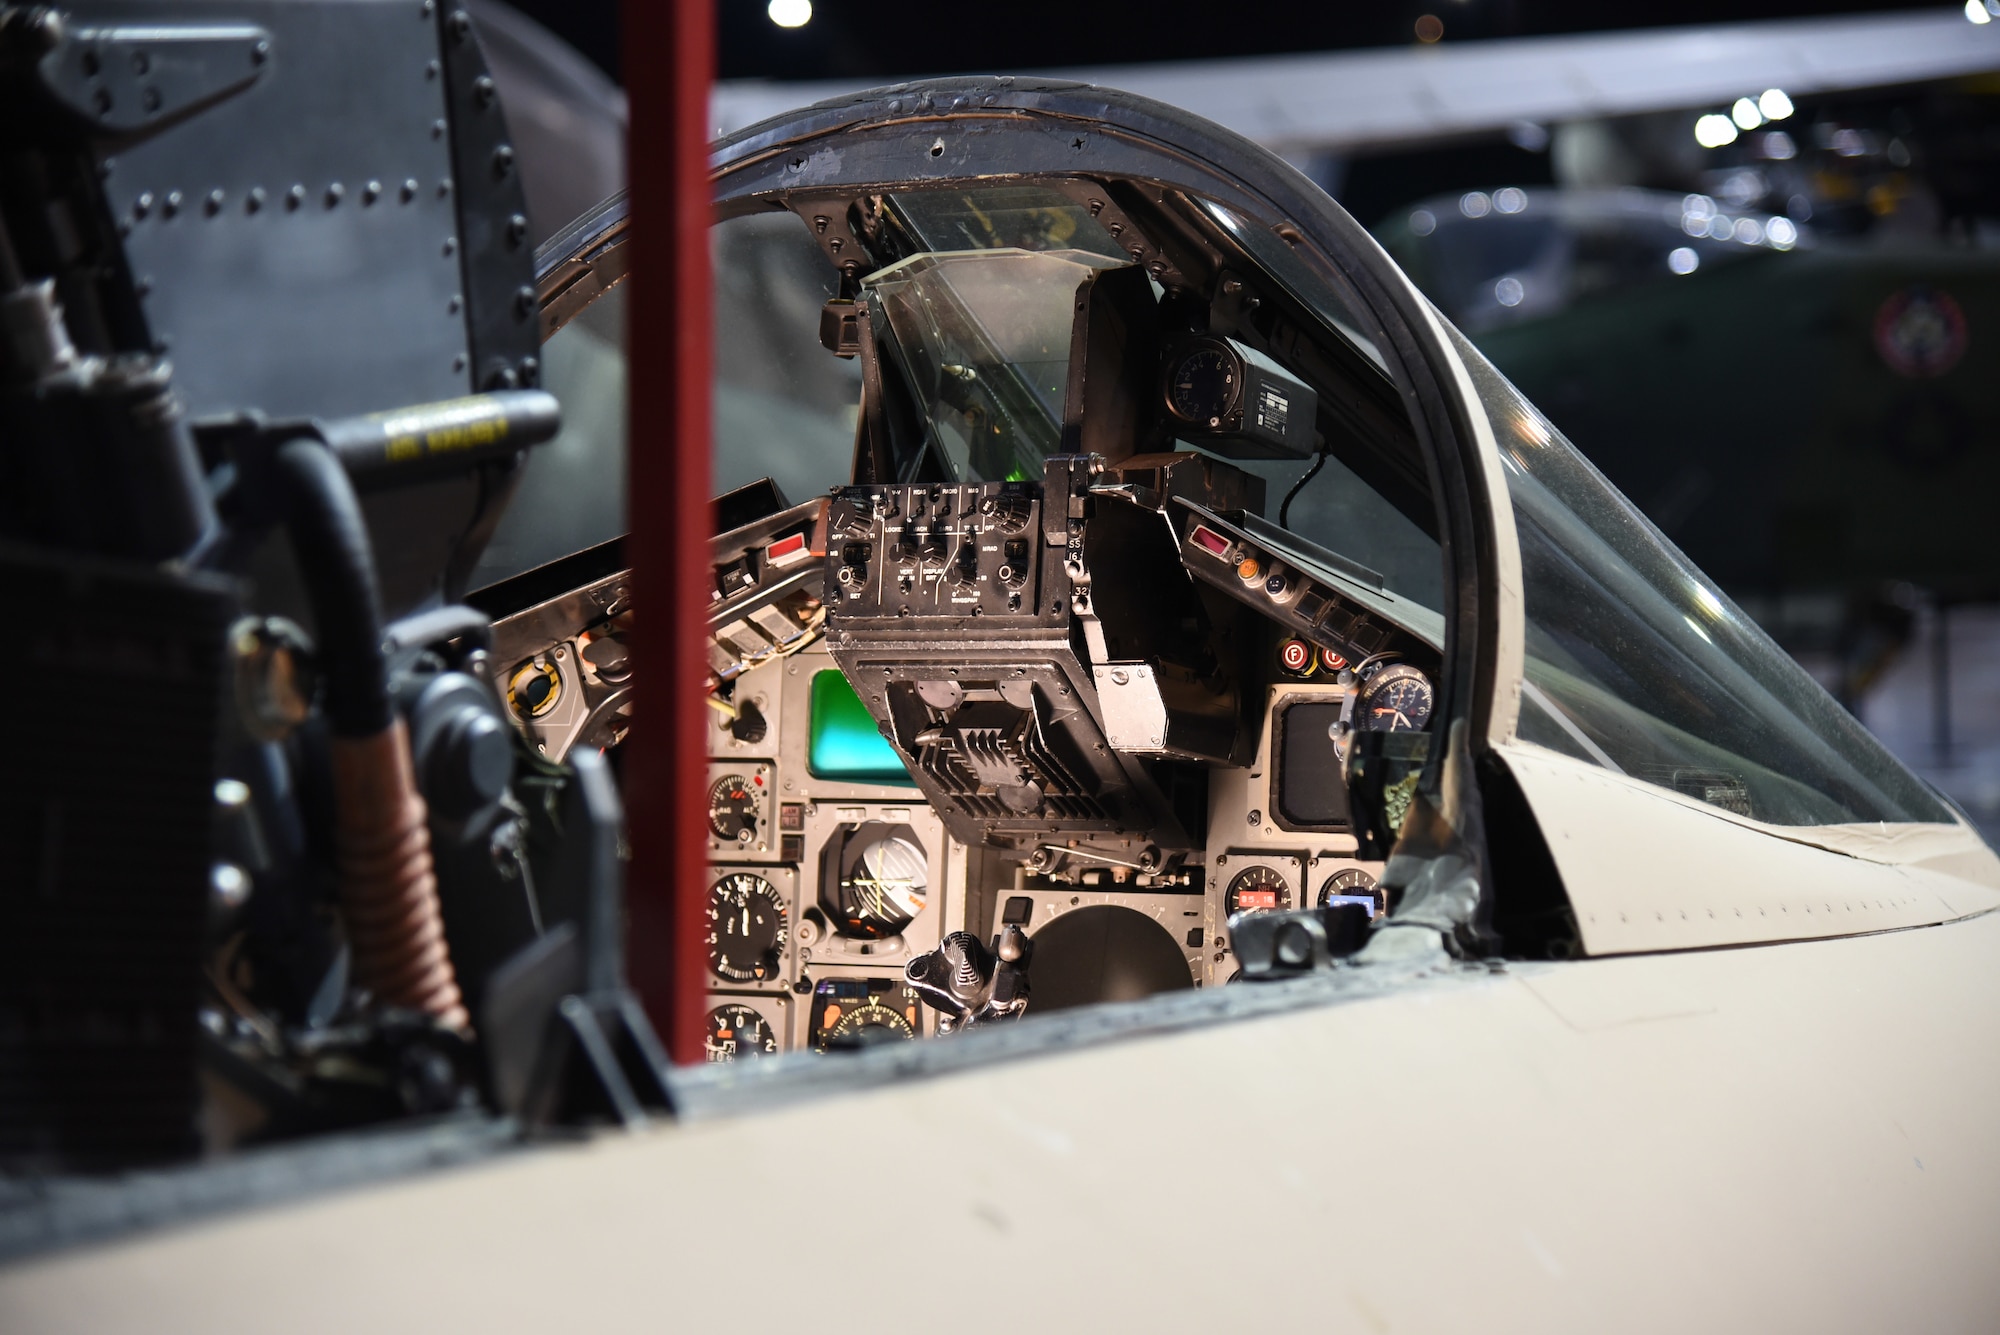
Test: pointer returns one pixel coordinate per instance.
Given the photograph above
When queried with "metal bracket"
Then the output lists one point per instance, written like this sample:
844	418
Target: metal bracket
139	80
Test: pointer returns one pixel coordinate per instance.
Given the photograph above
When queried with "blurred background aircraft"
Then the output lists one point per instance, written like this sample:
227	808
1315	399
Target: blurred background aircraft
1752	268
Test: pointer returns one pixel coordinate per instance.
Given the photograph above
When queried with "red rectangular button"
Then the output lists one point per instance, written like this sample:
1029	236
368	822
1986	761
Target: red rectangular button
785	551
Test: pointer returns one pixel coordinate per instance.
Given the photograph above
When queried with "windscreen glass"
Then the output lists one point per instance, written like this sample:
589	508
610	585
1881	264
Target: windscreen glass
1007	217
784	408
1284	264
1636	662
983	340
1326	501
576	482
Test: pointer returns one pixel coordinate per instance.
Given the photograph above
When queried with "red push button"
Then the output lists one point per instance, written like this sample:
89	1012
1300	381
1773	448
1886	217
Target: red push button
786	551
1209	540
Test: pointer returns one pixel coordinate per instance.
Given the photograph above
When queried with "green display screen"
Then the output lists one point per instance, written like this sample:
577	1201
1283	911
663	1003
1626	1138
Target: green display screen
843	741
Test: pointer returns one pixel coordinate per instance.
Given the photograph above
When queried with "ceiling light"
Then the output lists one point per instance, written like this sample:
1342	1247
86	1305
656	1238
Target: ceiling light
1711	131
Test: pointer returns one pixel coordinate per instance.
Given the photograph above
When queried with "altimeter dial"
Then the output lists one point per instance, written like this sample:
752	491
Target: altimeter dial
737	1031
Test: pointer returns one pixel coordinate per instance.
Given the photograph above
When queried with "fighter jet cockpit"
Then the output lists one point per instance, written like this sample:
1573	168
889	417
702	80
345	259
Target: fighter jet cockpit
1068	550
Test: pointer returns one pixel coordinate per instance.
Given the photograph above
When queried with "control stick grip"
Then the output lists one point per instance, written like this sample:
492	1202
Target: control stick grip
965	981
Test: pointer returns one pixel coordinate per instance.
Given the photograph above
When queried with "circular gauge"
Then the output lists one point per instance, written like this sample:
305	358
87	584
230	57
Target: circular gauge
733	808
1397	698
884	878
1353	881
860	1012
1201	387
737	1031
1257	890
534	688
747	929
871	1022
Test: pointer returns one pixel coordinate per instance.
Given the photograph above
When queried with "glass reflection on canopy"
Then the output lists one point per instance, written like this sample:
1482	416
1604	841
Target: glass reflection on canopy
1636	662
984	337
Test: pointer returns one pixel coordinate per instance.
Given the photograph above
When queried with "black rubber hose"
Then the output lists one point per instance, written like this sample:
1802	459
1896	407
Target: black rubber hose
337	562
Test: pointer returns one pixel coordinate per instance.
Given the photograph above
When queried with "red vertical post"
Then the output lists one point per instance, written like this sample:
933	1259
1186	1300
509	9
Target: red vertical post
668	61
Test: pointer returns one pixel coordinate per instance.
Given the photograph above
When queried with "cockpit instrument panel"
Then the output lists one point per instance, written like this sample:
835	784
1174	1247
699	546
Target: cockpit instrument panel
1091	697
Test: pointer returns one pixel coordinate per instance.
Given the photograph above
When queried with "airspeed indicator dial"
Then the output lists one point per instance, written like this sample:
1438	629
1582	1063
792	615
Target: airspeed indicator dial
747	929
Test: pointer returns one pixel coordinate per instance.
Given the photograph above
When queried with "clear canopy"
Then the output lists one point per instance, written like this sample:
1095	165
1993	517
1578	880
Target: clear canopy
1636	662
